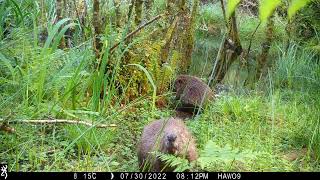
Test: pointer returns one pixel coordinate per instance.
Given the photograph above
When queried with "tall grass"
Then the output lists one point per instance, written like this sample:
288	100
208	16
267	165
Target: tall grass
297	74
297	70
39	80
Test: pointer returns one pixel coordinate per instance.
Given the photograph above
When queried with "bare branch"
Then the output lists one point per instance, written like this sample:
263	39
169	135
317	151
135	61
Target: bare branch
135	31
224	12
252	36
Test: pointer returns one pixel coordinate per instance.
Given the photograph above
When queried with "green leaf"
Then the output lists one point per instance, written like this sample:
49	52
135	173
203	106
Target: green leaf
295	6
60	35
266	9
52	32
231	7
179	164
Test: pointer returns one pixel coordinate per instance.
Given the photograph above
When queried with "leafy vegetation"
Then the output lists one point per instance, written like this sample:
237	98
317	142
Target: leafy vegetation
112	63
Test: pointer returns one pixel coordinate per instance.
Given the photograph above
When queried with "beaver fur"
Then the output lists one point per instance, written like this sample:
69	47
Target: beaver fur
169	136
190	90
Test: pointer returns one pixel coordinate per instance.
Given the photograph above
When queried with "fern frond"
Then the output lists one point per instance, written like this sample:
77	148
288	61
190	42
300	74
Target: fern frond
179	164
213	154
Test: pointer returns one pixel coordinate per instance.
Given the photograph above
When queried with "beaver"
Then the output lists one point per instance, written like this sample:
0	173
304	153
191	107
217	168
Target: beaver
190	90
169	136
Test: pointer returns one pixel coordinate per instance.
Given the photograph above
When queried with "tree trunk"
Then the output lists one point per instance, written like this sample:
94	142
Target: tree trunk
171	31
231	51
181	33
262	60
168	40
97	44
189	38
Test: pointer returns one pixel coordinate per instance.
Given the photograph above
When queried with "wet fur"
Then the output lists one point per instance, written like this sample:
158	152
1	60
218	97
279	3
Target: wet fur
190	90
184	143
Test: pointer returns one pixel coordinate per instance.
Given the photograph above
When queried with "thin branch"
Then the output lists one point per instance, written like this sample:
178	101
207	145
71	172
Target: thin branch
249	47
224	12
54	121
217	59
135	31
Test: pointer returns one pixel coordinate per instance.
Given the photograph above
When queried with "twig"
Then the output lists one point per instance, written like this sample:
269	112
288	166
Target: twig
252	35
217	59
135	31
53	121
224	12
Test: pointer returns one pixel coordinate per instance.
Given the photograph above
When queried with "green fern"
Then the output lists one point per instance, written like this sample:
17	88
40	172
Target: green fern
213	154
179	164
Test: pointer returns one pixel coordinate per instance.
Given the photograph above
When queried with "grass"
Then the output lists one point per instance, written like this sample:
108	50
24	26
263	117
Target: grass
266	128
271	127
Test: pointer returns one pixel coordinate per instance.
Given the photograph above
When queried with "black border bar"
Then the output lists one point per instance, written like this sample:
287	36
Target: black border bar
160	175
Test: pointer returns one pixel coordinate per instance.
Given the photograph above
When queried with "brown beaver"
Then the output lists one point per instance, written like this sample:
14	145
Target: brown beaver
191	91
169	136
